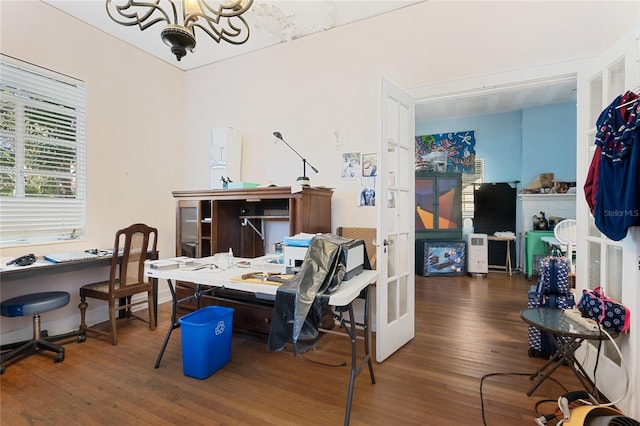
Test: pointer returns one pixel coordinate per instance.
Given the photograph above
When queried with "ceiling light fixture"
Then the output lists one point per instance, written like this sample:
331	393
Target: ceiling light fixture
221	20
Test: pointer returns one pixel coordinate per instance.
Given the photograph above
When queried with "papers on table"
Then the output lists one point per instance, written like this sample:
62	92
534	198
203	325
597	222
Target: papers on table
504	234
174	263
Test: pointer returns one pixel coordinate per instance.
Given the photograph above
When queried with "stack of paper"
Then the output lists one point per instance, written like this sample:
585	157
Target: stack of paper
172	263
162	264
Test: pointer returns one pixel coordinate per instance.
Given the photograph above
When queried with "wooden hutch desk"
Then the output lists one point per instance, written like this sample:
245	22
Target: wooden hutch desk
213	221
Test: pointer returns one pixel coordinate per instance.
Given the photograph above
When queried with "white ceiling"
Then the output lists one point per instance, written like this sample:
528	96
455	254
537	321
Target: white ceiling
494	101
280	21
271	23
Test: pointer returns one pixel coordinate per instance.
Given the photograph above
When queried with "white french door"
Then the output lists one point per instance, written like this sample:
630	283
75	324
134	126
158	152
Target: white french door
395	289
613	265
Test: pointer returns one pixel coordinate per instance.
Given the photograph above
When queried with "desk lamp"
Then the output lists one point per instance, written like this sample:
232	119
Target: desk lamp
302	180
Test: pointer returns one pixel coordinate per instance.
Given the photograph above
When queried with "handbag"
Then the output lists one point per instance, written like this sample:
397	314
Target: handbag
604	310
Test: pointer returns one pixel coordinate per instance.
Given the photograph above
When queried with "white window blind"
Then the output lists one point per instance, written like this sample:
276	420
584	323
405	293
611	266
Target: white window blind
468	181
42	155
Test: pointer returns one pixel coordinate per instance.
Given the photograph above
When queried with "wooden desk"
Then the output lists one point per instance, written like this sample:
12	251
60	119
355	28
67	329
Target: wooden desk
245	220
209	278
507	264
44	268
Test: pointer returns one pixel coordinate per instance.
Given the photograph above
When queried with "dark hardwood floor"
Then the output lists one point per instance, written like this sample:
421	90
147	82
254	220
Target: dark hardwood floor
466	328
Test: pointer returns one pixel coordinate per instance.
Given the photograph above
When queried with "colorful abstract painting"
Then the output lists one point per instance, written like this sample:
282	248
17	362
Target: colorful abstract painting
446	152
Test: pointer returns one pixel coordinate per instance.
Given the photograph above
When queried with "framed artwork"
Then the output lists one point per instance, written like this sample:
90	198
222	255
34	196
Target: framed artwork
453	152
440	258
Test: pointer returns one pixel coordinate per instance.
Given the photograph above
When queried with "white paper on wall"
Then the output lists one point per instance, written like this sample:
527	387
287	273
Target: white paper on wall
225	156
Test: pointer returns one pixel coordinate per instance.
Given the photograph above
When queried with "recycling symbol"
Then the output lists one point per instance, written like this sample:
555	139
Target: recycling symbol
220	328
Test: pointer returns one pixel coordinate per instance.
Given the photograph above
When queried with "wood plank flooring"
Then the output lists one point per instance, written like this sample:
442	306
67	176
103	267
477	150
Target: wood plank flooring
466	328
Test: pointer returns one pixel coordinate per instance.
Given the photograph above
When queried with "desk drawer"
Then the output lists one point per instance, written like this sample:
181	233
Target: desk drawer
248	317
251	315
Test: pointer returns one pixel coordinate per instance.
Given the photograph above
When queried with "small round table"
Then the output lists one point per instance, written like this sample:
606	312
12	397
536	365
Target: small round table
567	336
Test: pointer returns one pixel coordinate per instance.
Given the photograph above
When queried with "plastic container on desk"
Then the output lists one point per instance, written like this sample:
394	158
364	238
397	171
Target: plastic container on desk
206	340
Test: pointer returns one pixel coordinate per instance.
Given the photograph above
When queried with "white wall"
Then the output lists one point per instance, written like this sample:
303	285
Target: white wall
135	120
303	88
135	134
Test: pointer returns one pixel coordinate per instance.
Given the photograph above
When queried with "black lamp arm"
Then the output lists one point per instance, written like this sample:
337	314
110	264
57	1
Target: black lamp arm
304	160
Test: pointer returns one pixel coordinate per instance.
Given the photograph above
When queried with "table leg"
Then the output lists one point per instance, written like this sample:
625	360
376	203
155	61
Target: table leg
174	320
367	332
174	323
508	262
576	367
355	367
155	299
563	353
507	267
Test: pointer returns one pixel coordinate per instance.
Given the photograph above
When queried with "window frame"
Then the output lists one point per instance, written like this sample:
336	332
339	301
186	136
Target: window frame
469	181
42	155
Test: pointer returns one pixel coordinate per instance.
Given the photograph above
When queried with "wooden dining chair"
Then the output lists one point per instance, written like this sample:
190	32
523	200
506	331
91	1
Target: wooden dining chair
126	279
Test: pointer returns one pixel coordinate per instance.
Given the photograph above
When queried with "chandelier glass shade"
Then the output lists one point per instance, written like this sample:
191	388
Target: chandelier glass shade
221	20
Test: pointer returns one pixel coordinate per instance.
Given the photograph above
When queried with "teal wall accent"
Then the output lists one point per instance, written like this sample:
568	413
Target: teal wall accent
549	142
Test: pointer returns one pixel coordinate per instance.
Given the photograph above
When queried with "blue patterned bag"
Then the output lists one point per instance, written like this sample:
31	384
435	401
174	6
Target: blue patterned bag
605	311
552	291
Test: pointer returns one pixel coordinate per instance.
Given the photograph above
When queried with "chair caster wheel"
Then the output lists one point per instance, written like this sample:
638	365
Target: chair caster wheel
82	338
59	357
44	333
1	370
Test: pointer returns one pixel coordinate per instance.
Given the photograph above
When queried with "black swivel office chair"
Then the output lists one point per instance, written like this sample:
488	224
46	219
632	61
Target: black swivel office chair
34	304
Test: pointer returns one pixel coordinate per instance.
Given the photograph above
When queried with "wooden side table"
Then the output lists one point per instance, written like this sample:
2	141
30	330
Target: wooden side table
507	239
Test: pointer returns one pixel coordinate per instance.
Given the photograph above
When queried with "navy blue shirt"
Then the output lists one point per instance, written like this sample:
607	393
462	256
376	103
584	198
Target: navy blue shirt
617	203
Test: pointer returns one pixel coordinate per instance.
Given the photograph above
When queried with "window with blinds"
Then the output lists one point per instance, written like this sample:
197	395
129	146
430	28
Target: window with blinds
467	188
42	155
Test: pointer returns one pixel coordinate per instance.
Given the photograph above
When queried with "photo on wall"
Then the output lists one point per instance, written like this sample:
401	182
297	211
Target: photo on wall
369	165
351	165
369	173
368	192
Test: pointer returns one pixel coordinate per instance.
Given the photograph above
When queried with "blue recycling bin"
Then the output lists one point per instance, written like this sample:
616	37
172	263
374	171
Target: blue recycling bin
206	340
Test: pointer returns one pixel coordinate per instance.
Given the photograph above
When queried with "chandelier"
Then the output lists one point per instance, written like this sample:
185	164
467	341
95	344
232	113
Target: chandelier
221	20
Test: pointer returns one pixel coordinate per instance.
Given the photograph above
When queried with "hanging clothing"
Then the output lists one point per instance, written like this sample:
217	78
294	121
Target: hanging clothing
591	183
300	302
297	313
612	187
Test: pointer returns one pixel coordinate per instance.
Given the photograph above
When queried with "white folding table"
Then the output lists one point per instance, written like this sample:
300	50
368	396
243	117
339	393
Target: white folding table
215	276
